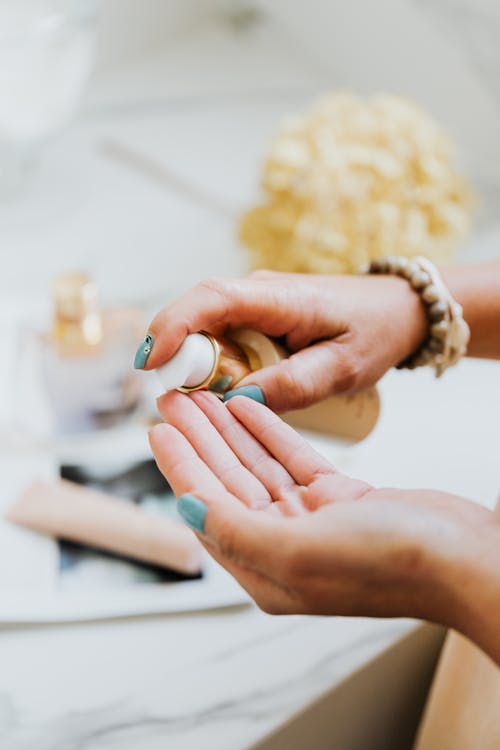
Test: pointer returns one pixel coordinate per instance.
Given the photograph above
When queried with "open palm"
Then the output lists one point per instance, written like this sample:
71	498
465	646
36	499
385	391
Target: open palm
301	537
242	451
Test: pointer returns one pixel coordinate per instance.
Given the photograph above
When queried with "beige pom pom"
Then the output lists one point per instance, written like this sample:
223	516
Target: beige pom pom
355	179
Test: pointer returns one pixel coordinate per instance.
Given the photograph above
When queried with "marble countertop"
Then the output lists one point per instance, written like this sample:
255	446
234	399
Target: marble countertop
205	680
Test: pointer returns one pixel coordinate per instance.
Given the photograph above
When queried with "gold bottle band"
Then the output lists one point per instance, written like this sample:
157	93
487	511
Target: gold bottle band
231	364
205	383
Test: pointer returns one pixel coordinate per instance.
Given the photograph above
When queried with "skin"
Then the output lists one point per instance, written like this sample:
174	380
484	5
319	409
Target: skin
344	332
299	536
477	288
328	323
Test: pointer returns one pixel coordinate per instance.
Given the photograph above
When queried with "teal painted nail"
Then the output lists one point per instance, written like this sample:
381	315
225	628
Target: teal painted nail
193	511
250	391
143	352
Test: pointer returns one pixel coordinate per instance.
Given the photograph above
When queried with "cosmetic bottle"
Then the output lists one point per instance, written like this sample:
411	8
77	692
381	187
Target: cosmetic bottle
217	363
86	359
220	363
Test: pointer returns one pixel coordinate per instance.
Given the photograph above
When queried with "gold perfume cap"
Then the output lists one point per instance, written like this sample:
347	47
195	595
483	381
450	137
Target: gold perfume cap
77	319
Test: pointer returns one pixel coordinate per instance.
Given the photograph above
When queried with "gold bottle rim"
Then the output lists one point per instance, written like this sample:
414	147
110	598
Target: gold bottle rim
206	382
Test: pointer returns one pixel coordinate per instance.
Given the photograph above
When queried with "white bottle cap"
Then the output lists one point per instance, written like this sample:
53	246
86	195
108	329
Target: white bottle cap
191	365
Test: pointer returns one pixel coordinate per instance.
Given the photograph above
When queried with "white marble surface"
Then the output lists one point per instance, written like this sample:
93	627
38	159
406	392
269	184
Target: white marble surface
207	680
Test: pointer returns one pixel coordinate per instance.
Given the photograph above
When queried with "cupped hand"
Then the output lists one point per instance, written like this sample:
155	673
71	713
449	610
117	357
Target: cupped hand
300	536
344	332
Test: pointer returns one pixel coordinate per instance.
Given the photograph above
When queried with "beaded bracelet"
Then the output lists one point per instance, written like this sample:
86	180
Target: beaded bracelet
448	332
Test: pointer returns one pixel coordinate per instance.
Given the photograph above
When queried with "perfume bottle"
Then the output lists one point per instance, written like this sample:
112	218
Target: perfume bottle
217	363
86	358
220	363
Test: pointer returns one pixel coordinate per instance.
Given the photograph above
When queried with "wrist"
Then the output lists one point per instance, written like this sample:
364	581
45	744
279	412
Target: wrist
467	577
448	333
406	316
476	287
456	280
480	592
413	327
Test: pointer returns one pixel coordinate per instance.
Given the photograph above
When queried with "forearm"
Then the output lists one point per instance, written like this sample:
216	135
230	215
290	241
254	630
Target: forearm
473	581
477	288
483	597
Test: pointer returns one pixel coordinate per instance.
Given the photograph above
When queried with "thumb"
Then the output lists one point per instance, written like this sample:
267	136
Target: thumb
305	378
247	538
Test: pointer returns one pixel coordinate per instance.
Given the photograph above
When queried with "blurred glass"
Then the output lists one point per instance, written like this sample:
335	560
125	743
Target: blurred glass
46	55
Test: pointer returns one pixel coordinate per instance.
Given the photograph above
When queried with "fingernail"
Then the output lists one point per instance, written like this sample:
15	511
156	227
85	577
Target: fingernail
143	352
250	391
193	511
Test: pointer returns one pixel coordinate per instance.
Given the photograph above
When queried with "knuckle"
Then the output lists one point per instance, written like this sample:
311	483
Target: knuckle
347	372
287	382
215	284
220	289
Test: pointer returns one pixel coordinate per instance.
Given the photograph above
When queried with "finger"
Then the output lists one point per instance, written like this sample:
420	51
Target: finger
220	303
186	473
306	377
274	477
328	489
248	538
180	464
292	502
264	274
183	413
301	461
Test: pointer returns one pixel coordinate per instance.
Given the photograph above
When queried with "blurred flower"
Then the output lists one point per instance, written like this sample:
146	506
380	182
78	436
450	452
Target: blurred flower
354	179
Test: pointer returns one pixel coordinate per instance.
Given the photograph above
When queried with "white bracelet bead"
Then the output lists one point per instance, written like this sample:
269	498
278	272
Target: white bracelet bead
419	279
440	330
437	311
431	294
436	346
448	331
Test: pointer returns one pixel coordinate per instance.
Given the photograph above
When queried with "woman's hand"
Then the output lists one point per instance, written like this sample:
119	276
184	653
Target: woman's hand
302	538
344	332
